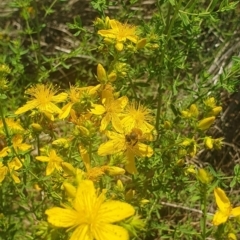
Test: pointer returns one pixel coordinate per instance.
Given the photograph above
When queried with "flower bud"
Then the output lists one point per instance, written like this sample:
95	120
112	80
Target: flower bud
36	127
232	236
203	176
112	77
120	185
210	102
208	141
61	142
215	111
113	171
129	194
101	74
193	110
167	125
68	168
205	123
141	43
69	189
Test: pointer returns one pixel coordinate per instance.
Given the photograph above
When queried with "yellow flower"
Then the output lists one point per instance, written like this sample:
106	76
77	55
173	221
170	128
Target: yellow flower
92	216
120	32
13	126
192	112
4	152
44	100
128	144
137	116
225	209
92	173
210	102
13	165
76	96
18	145
54	162
111	109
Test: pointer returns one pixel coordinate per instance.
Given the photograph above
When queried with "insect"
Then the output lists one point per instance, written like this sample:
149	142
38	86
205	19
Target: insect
134	136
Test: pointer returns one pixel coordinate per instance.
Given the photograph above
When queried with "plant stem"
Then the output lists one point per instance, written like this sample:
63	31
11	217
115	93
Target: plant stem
168	29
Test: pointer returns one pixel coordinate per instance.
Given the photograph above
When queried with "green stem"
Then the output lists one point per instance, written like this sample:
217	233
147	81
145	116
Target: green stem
4	123
204	210
168	29
47	12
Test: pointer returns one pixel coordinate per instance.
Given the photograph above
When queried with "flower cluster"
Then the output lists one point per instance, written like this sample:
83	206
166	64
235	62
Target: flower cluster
92	133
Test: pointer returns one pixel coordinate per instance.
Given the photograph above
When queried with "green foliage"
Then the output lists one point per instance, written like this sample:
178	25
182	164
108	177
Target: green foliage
176	63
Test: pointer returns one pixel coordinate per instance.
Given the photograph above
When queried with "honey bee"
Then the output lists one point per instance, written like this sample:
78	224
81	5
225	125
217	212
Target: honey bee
134	136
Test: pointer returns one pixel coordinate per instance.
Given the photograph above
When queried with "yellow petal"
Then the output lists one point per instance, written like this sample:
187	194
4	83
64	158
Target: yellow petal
65	111
60	97
111	147
28	106
219	218
82	233
3	172
98	109
119	46
42	158
114	211
130	165
222	200
143	150
107	33
110	232
50	168
4	152
15	177
61	217
235	212
117	123
85	197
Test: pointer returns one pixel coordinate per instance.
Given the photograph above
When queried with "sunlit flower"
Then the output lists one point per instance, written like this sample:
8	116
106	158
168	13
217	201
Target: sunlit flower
54	162
92	216
12	168
210	102
111	109
225	209
103	77
129	144
76	96
18	144
44	100
137	116
120	32
13	126
192	112
92	173
4	151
